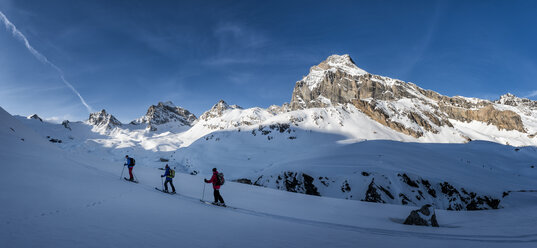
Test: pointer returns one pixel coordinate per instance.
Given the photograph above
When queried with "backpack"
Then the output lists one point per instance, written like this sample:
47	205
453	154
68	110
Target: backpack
133	162
220	179
172	173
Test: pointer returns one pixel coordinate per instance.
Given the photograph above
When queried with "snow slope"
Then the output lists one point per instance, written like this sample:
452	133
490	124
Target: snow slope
313	151
52	198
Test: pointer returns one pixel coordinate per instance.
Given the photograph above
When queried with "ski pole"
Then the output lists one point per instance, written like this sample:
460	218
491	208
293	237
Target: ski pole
120	177
203	196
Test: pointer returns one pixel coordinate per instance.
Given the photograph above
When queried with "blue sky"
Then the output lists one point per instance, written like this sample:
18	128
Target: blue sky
124	56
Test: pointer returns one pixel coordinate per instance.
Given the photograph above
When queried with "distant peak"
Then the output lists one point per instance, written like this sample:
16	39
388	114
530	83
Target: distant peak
163	113
218	110
102	118
508	95
222	103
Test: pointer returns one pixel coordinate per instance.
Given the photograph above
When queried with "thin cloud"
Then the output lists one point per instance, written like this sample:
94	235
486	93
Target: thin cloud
532	94
17	34
237	44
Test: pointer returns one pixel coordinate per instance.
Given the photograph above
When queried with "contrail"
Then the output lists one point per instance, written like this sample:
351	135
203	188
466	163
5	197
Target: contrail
17	34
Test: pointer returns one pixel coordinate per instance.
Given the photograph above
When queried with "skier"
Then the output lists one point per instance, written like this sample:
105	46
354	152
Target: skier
130	163
169	179
216	187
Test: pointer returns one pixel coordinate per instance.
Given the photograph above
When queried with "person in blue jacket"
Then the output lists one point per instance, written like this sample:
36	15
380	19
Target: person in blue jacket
130	163
169	179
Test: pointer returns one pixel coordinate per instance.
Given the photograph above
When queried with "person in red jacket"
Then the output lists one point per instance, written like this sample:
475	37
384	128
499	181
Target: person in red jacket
216	187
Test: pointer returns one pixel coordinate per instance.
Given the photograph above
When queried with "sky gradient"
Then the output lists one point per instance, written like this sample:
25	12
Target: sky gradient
124	56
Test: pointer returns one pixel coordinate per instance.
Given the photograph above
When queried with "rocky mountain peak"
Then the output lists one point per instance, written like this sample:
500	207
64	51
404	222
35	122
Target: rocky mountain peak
35	117
333	64
166	112
103	119
401	106
218	110
341	62
512	100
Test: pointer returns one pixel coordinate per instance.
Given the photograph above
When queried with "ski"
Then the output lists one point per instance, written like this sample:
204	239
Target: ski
126	179
217	205
171	193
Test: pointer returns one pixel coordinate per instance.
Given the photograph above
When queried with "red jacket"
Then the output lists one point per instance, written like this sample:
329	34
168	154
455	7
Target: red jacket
214	179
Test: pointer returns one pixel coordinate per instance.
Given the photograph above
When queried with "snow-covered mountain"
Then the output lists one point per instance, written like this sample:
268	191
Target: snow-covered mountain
407	108
346	133
166	113
103	121
67	195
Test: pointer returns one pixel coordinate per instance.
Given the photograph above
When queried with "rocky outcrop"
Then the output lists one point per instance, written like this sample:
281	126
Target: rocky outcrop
290	181
66	125
402	188
166	112
103	120
512	100
425	216
34	117
403	107
372	194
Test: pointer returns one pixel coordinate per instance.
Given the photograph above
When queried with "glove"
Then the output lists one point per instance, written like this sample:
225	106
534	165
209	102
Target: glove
124	164
161	175
205	180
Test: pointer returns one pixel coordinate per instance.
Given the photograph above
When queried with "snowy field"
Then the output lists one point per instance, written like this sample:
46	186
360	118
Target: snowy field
53	198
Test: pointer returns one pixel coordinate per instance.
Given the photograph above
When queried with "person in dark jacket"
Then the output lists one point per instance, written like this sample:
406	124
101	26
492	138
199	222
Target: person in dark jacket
129	162
169	179
216	188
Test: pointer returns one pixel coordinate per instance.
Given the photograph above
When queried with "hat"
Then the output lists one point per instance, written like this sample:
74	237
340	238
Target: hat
214	169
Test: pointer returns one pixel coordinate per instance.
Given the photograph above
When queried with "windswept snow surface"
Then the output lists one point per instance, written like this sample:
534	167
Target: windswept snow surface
53	198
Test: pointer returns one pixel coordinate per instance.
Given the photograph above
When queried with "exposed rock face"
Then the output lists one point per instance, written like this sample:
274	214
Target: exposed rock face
166	112
506	119
425	216
103	119
35	117
372	195
401	106
291	181
402	188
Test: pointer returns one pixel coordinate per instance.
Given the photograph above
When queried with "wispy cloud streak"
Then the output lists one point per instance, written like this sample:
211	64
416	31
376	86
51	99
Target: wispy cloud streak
532	94
17	34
